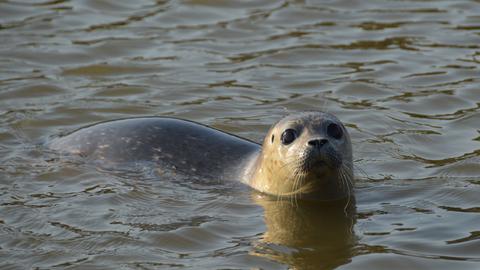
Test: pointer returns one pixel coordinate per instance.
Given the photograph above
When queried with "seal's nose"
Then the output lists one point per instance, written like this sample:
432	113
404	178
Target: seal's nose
318	143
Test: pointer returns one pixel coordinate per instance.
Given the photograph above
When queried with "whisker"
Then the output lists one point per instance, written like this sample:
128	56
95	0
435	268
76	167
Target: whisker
349	184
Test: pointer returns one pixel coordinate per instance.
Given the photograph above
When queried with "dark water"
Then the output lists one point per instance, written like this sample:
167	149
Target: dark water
402	75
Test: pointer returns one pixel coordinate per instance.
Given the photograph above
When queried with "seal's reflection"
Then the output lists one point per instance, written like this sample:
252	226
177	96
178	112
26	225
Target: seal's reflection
306	234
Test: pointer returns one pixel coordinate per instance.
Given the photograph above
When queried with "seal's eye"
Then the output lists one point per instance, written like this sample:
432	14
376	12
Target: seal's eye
335	131
288	136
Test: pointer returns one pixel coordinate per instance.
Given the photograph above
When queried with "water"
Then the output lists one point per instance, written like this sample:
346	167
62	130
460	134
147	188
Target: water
402	75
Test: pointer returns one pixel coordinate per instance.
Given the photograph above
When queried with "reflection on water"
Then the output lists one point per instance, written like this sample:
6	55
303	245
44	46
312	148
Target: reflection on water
402	75
307	235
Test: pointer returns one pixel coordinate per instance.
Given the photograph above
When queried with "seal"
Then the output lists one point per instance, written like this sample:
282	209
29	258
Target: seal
304	155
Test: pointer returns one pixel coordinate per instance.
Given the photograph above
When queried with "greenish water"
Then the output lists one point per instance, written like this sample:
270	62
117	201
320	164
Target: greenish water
402	75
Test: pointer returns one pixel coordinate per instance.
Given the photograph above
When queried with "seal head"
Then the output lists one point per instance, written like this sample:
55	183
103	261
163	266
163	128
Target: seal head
306	155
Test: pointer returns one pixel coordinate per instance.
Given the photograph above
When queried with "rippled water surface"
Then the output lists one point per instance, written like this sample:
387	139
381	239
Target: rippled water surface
402	75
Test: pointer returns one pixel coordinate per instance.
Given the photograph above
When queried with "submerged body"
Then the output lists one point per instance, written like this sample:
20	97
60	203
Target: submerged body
307	155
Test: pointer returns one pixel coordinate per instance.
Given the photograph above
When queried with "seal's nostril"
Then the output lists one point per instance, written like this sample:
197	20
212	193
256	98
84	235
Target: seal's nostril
313	142
317	142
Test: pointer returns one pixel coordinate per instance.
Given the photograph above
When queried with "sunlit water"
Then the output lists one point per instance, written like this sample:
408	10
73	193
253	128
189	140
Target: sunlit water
402	75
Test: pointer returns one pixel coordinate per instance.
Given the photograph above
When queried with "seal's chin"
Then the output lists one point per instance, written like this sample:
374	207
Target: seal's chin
324	184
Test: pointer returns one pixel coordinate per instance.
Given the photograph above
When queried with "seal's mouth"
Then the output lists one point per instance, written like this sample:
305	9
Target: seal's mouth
322	176
314	160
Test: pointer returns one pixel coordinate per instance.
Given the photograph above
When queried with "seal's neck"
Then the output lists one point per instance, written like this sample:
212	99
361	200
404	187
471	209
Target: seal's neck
266	175
250	167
